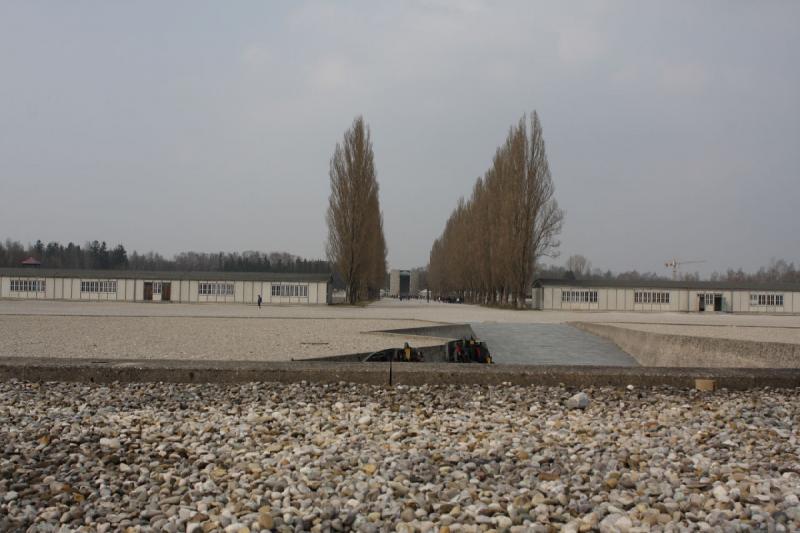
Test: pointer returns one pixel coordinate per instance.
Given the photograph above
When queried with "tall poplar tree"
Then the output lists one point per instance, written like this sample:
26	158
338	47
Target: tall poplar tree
491	243
356	244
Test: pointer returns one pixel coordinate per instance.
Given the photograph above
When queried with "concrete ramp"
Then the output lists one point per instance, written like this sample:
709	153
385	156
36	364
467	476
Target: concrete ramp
549	344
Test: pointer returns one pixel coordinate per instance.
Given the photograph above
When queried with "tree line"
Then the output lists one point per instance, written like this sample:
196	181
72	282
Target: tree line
356	245
579	267
492	242
98	255
778	270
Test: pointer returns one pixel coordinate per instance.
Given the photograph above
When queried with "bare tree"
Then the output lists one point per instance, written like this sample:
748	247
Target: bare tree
492	242
579	266
356	244
548	218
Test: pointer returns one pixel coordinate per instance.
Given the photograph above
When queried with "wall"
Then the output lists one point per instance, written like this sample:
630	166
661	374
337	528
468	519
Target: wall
680	300
608	299
657	349
6	292
182	291
94	371
394	282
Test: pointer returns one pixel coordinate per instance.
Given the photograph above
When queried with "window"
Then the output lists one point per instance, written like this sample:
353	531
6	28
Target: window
215	289
290	290
579	296
648	297
99	286
156	287
772	300
27	285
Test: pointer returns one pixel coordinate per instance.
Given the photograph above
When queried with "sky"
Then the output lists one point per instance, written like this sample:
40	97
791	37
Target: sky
672	128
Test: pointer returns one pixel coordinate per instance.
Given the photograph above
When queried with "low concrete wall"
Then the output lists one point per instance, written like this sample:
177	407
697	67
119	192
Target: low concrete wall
663	350
181	371
444	331
173	371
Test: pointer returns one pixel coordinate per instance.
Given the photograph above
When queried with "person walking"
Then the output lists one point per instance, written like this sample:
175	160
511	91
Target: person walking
259	301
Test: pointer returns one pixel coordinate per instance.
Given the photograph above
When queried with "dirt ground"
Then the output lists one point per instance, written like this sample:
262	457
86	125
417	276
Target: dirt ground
244	332
388	309
195	338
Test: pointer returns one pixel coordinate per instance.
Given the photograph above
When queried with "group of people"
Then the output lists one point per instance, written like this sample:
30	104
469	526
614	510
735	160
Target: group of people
470	351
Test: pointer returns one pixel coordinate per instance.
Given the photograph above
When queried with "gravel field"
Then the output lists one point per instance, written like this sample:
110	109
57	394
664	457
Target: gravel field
742	333
114	337
301	457
113	330
387	309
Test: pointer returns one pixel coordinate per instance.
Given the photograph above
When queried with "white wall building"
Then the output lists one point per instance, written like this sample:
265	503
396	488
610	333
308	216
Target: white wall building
184	287
660	296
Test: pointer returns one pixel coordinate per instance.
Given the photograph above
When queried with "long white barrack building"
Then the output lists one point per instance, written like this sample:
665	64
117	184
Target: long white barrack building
146	286
662	296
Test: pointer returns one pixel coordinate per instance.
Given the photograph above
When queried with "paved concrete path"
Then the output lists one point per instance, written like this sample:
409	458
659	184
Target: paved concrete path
549	344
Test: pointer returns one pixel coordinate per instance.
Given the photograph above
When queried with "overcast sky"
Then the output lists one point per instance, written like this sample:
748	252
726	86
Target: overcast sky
672	128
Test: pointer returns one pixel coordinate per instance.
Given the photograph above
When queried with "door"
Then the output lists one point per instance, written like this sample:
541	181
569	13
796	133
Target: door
717	302
702	298
166	290
148	291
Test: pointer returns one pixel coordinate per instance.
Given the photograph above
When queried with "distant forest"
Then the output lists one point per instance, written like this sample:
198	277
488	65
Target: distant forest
98	255
578	267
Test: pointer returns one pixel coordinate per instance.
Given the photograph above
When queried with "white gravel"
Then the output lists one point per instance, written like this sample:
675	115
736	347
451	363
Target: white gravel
252	339
175	458
242	332
388	309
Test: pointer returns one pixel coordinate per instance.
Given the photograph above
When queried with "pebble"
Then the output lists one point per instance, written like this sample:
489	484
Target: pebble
407	515
579	401
305	457
110	443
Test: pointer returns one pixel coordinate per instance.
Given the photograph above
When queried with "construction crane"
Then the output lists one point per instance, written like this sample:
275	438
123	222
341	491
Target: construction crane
674	264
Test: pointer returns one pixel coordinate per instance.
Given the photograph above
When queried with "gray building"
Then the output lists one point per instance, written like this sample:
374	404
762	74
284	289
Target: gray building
184	287
662	296
403	283
399	283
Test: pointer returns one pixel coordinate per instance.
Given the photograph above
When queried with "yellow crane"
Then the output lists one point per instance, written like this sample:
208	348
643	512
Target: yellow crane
674	264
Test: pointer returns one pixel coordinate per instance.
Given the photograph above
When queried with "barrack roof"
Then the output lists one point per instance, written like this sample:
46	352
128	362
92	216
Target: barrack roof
668	284
163	275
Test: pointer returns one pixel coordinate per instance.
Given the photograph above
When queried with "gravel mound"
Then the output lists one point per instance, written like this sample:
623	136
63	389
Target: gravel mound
170	457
